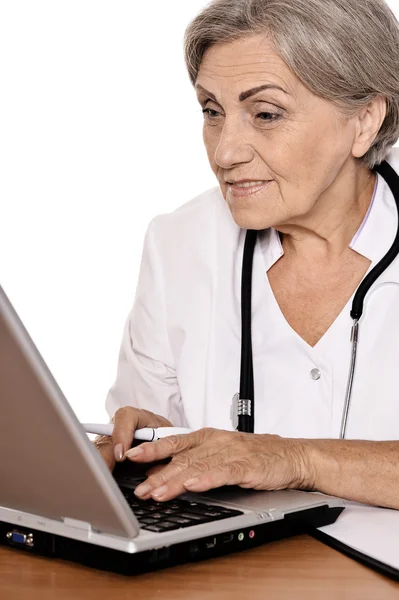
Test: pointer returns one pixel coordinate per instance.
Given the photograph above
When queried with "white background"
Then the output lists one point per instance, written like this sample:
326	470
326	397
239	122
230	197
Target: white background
100	130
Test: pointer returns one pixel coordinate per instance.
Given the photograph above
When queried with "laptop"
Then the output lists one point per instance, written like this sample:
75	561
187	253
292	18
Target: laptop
59	499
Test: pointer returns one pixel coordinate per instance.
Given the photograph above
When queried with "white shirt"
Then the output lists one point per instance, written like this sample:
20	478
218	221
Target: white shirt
180	353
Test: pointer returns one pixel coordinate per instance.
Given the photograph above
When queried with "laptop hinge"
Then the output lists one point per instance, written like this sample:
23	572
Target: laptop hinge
77	524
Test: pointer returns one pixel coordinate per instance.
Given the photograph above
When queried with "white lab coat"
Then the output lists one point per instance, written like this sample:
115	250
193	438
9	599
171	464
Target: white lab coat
180	353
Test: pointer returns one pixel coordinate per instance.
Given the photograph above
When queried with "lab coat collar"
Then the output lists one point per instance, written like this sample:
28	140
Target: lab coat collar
374	236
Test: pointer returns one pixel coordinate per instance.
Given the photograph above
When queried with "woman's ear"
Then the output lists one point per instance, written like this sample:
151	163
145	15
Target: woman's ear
369	122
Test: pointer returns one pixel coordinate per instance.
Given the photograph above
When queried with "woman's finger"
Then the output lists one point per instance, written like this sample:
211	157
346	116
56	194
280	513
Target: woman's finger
106	449
180	464
175	485
225	474
126	420
154	469
166	447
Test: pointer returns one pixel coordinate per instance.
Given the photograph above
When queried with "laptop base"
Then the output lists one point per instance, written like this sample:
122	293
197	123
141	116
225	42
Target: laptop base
100	557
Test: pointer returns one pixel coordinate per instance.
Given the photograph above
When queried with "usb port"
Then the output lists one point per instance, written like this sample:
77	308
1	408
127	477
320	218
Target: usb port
226	538
211	543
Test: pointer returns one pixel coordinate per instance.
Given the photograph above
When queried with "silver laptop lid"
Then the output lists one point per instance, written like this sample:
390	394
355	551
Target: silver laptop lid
48	465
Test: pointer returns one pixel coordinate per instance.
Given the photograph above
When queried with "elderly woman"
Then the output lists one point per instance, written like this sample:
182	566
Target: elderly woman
301	103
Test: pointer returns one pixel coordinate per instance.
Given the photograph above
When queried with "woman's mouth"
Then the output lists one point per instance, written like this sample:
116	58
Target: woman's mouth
238	190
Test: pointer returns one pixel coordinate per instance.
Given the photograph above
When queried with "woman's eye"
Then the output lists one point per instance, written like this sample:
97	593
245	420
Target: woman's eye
208	111
269	116
273	116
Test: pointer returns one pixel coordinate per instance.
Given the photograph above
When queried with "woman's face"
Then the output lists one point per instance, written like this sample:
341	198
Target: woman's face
292	137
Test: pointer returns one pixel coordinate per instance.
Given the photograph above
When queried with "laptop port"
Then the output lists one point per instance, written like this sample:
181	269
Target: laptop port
193	549
225	538
159	555
211	543
17	537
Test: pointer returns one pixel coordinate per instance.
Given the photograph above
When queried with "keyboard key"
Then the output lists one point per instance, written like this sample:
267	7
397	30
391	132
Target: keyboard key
165	516
180	520
160	527
204	511
194	517
231	513
147	521
157	528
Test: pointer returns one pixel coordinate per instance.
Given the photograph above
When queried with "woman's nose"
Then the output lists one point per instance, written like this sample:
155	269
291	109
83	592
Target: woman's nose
234	144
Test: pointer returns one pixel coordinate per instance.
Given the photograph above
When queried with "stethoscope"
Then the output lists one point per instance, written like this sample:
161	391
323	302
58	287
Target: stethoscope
243	407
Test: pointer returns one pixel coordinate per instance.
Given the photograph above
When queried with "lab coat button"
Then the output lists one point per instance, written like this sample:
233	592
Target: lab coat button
315	374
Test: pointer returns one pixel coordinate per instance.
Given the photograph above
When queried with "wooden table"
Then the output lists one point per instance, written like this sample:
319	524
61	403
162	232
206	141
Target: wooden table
296	568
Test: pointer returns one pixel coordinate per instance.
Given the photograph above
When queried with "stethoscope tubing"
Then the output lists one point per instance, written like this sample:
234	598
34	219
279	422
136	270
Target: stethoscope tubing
246	398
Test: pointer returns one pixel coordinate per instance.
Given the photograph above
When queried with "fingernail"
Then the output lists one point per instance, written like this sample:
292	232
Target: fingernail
159	492
134	452
142	489
191	482
118	452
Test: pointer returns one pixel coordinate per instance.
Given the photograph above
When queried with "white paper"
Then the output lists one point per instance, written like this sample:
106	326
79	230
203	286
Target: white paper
370	530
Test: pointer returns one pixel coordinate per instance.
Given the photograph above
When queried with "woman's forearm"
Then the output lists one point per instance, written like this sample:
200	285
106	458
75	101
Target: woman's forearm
358	470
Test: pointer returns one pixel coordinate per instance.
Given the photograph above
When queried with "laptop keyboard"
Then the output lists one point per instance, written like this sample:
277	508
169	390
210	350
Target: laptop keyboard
174	514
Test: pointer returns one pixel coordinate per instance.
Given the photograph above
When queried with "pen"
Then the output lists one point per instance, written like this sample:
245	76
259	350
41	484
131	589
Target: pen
147	434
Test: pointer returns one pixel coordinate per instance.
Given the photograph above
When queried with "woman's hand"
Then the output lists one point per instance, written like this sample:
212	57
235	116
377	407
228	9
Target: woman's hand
126	420
209	458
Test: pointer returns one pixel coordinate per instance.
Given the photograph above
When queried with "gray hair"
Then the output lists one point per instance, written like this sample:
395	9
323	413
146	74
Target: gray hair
345	51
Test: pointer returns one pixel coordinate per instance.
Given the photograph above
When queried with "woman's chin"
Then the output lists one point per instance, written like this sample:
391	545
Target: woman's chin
248	220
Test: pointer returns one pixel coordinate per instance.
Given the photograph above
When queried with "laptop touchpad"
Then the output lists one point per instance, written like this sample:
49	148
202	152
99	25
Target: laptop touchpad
282	500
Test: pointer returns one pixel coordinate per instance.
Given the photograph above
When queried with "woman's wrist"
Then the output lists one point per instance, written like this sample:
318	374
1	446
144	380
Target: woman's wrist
321	468
306	463
298	456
